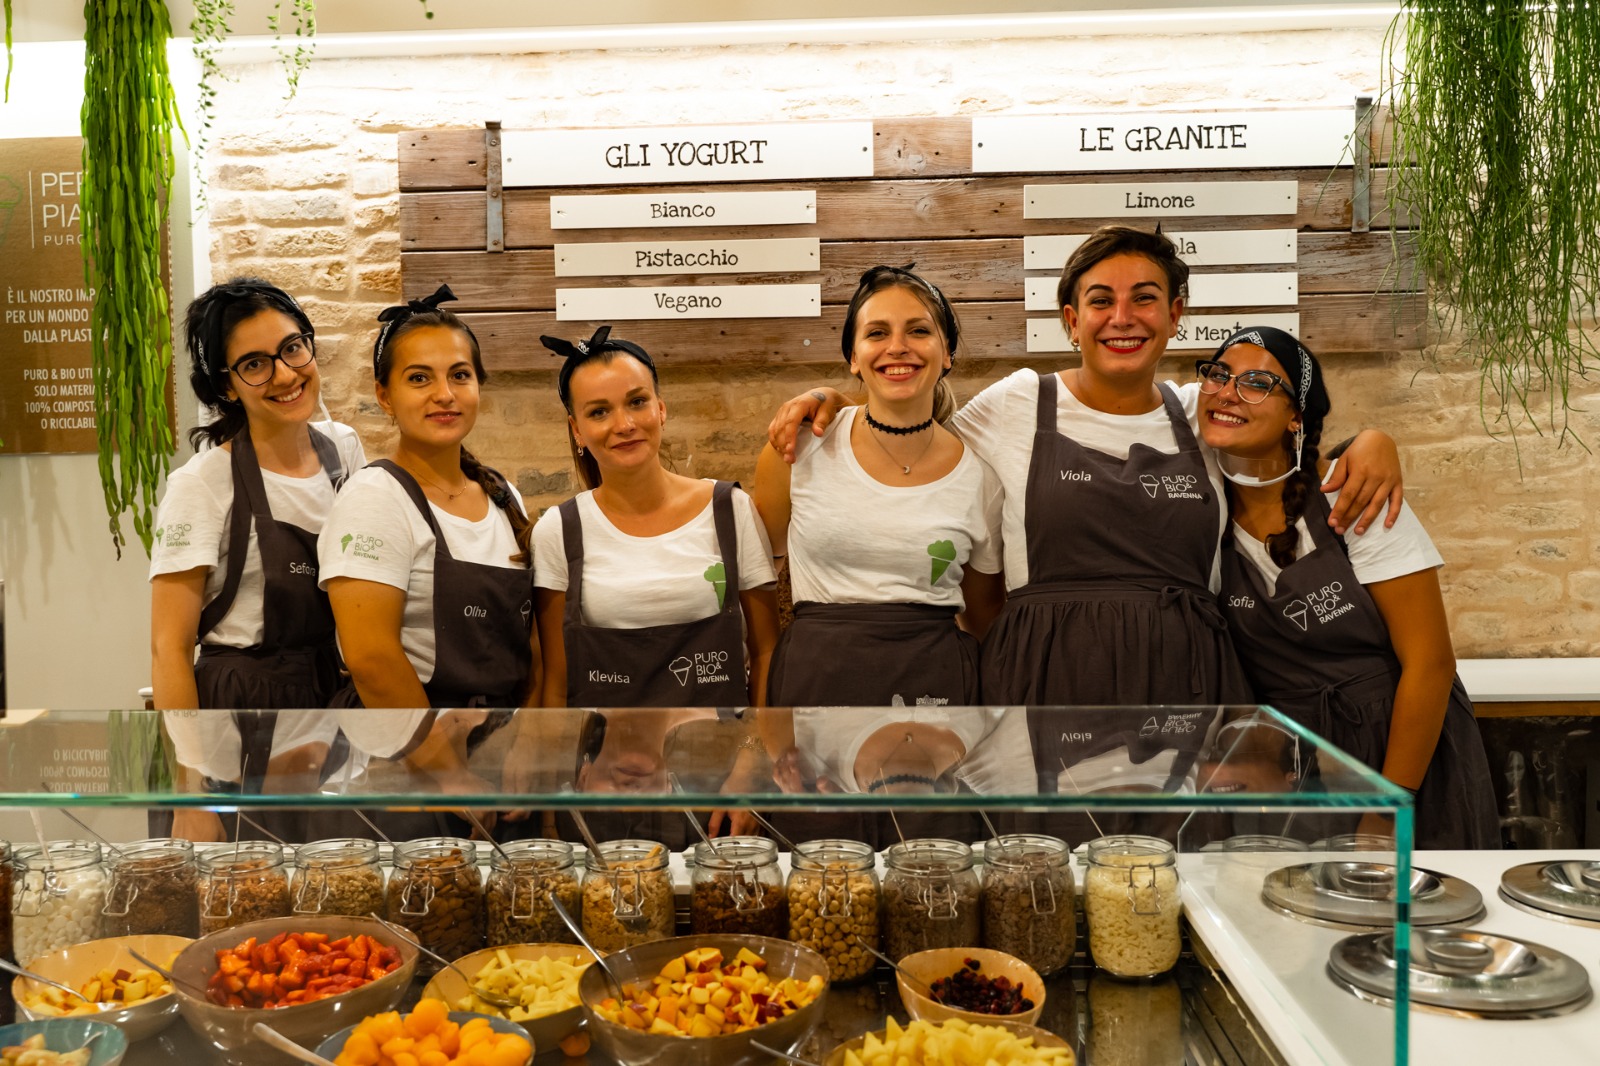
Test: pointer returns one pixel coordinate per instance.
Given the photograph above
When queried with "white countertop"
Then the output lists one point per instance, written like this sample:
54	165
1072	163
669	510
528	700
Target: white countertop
1530	680
1278	966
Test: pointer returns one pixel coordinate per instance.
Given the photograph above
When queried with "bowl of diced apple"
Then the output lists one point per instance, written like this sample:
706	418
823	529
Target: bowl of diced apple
703	1000
116	988
541	978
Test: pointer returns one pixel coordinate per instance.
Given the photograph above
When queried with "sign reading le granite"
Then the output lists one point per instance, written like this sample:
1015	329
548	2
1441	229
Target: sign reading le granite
675	154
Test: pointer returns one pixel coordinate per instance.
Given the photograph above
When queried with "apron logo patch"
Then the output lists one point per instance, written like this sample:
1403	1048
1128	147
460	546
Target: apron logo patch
707	667
943	553
1151	483
1296	612
1326	603
362	545
1181	487
898	700
177	534
717	574
1076	475
609	679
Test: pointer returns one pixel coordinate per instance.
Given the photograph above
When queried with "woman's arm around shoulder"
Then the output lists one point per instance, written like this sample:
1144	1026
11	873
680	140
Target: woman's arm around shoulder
761	637
817	406
1368	477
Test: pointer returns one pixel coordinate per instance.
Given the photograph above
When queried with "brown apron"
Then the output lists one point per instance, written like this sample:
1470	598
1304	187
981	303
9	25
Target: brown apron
872	654
1316	648
1118	608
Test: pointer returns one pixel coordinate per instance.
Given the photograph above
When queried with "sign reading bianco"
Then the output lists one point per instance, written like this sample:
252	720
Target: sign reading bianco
1163	199
1195	331
1205	248
1275	289
776	255
647	156
1159	141
653	210
688	301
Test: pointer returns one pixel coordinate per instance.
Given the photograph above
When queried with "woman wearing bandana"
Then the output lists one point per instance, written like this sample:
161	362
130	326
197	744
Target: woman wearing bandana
1348	637
234	564
427	561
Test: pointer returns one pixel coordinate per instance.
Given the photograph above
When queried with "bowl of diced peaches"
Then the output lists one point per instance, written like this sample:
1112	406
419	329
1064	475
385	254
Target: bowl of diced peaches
702	1000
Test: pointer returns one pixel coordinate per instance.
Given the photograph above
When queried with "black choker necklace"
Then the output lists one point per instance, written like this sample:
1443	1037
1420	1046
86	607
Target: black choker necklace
898	431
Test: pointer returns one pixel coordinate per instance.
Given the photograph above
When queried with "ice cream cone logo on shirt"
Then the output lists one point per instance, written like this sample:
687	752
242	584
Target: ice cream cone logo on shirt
1150	728
717	574
344	541
681	666
1296	612
943	553
527	612
1151	483
160	531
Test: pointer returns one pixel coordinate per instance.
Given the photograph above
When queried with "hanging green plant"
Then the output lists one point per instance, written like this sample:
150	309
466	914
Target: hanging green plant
1496	152
129	116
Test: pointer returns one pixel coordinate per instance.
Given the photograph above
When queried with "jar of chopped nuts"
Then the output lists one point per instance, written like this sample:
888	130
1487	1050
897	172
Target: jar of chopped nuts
338	876
833	904
627	895
522	874
930	897
437	893
1029	908
155	889
738	888
242	882
5	900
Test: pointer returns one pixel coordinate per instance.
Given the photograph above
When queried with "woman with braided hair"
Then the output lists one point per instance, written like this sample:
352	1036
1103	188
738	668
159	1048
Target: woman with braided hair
1349	638
427	560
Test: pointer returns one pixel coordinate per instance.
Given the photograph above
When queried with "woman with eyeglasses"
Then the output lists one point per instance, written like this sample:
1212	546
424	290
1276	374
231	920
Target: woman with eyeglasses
234	564
1346	636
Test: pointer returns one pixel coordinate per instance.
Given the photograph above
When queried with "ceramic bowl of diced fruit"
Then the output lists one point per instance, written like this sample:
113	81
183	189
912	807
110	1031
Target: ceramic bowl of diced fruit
116	987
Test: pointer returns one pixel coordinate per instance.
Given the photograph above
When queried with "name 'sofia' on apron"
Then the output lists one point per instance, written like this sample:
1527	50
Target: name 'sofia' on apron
1118	608
1317	649
687	664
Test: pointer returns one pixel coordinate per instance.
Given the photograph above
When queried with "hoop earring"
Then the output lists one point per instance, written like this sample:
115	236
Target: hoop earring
1075	344
580	451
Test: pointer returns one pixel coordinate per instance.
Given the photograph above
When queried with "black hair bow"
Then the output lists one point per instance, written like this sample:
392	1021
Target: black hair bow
577	349
423	306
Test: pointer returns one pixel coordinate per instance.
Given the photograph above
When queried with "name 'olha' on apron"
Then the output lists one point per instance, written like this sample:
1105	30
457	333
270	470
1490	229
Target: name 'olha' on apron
1316	648
689	664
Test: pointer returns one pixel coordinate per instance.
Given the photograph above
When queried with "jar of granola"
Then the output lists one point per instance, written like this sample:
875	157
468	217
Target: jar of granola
154	889
242	882
522	875
930	897
338	876
627	895
1028	905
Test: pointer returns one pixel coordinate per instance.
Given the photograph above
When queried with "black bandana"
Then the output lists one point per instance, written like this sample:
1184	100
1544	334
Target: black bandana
576	353
1297	363
392	316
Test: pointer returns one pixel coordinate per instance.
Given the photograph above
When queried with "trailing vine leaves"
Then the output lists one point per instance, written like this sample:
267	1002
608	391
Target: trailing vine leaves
8	50
1496	149
208	29
303	14
129	115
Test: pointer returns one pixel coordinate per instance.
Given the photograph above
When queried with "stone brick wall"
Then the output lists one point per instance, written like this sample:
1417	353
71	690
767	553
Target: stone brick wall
304	193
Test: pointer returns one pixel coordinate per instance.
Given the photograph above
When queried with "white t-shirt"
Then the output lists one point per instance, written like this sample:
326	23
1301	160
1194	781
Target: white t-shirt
999	424
1379	554
853	539
195	518
375	533
207	741
634	582
999	759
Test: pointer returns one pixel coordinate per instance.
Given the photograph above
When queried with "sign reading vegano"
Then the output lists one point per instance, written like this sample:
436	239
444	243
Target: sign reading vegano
669	302
674	154
1154	140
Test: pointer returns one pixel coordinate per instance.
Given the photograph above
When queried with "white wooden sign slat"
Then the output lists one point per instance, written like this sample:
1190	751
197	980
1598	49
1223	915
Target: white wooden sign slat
1145	140
1194	332
670	302
669	154
1277	289
1161	199
777	255
632	210
1203	248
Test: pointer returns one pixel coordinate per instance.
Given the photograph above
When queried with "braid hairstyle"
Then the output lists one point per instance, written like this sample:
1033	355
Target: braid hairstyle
402	319
1283	545
875	280
207	325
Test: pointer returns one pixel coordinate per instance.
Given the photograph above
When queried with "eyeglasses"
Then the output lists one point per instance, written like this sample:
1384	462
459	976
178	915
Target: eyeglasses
1253	386
295	352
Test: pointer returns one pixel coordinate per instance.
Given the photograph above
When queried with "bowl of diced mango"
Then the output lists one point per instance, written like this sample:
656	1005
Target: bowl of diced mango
431	1035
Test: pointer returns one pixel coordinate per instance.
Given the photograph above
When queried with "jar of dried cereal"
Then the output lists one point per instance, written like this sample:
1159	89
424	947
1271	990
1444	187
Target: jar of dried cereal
930	897
522	874
56	898
1130	898
627	895
437	893
242	882
738	888
1028	905
833	904
338	876
155	889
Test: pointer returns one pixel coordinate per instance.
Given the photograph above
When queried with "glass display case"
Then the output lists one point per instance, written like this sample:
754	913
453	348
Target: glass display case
1193	834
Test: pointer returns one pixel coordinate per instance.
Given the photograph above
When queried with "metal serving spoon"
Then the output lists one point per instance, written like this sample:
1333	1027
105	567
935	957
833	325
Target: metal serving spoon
577	931
271	1036
30	975
498	999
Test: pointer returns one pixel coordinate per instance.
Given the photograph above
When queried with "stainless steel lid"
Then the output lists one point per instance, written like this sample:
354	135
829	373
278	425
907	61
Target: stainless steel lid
1351	893
1257	842
1464	970
1570	888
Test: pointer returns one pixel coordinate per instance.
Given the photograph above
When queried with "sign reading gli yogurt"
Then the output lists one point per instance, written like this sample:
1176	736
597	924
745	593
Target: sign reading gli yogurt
670	154
666	302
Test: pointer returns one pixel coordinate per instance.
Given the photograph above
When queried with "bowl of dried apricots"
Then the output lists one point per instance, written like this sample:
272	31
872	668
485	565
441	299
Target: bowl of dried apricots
431	1035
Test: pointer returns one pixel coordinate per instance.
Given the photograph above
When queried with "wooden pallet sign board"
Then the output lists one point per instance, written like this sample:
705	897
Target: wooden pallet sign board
1194	332
714	248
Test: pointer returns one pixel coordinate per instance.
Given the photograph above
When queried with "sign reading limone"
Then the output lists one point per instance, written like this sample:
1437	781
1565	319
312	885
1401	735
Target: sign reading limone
1161	199
1276	289
1205	248
642	155
630	210
777	255
1195	331
617	303
1147	140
